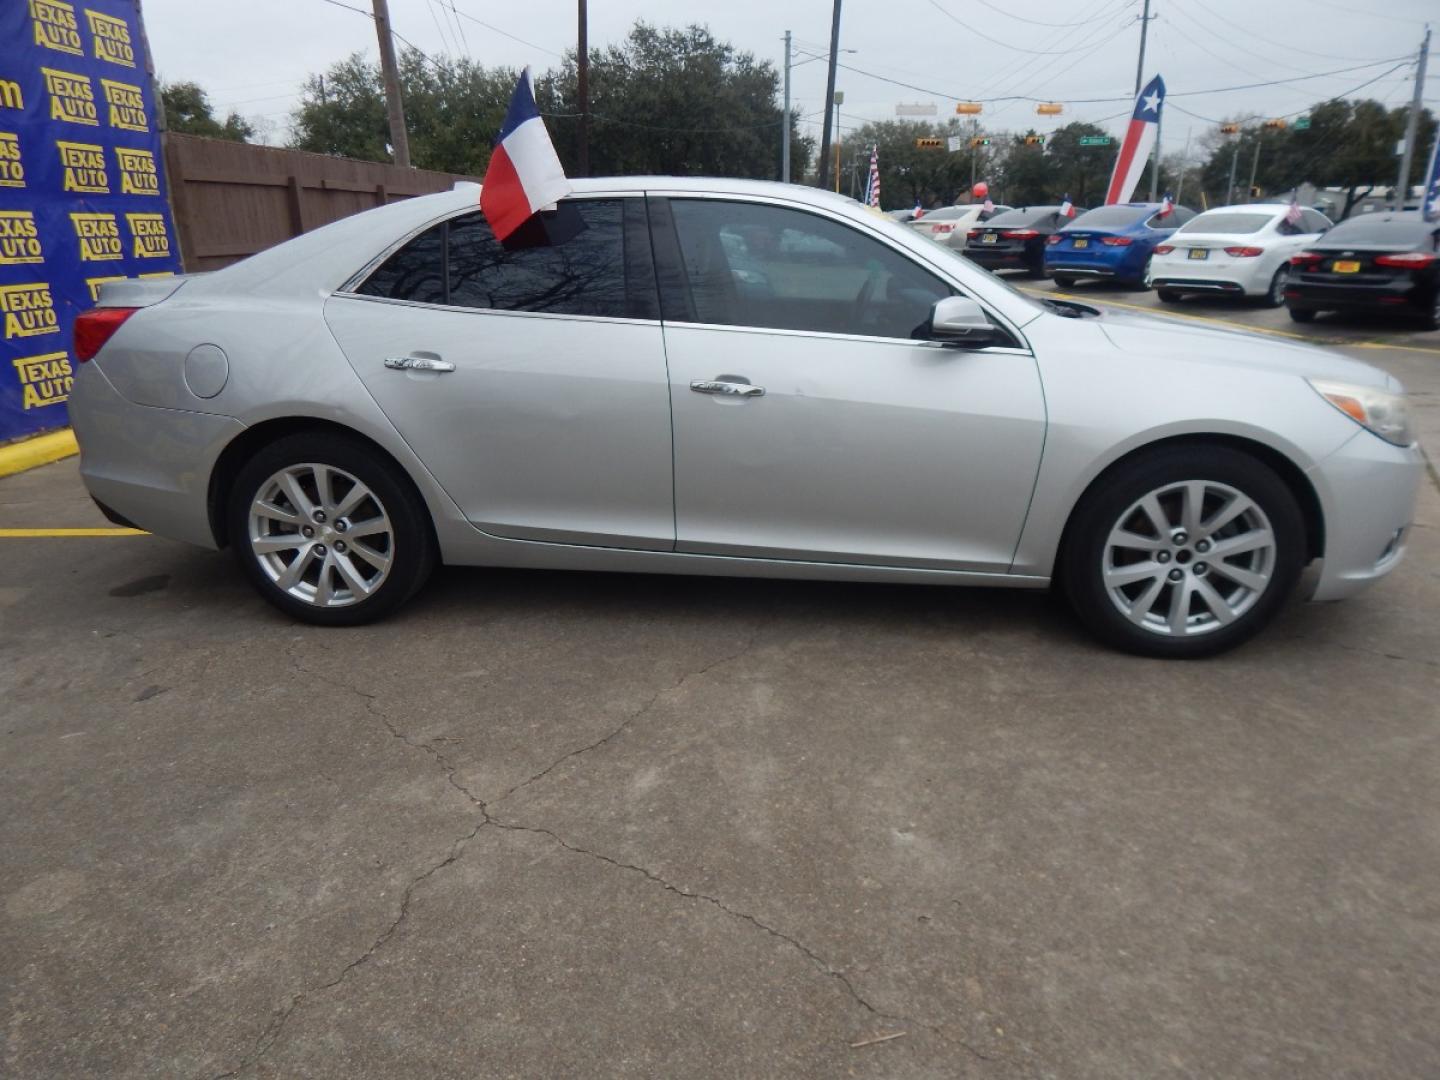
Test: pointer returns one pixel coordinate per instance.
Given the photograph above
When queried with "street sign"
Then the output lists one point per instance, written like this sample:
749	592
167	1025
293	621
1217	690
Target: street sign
1302	123
1094	140
915	110
954	142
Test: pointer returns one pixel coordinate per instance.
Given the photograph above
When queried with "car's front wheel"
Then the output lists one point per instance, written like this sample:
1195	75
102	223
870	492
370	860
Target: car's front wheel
329	530
1183	552
1168	296
1302	315
1065	281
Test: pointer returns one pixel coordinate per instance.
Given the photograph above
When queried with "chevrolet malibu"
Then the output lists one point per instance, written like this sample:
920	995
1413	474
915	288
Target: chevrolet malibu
720	377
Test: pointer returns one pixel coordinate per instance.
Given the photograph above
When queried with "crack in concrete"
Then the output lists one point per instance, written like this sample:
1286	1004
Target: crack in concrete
634	716
273	1030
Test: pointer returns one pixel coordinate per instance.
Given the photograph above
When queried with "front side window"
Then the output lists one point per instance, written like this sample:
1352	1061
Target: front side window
579	260
746	264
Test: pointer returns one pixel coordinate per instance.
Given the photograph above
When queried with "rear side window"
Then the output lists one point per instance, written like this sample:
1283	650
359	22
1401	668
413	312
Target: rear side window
416	272
1224	221
1314	221
592	257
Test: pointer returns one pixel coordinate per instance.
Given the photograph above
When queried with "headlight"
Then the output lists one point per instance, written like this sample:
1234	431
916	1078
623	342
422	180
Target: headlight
1384	413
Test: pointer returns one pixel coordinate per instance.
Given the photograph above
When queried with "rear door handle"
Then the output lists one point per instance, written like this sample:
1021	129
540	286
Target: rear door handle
722	386
418	363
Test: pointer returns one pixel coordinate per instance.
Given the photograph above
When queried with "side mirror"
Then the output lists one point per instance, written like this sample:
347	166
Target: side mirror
961	322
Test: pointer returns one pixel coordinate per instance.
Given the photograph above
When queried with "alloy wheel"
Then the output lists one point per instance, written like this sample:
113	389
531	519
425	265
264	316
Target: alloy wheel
1188	558
1277	286
321	535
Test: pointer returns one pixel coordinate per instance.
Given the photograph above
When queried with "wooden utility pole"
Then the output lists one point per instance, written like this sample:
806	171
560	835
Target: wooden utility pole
399	140
824	166
582	63
1402	185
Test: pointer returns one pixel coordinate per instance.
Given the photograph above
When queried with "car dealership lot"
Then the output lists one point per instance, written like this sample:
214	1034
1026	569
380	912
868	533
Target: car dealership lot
547	824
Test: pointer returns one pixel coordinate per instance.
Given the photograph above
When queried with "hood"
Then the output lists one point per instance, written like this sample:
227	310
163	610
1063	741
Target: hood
1189	343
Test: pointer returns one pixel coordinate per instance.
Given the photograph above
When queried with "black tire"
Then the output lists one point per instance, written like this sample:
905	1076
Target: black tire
1275	295
1037	272
1431	321
1302	315
1168	296
1081	562
1141	283
1065	281
409	542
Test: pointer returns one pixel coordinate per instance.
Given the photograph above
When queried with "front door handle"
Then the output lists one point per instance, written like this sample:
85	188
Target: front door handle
723	386
418	363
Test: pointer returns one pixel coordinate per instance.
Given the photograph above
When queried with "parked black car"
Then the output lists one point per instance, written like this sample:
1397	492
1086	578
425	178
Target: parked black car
1376	262
1015	240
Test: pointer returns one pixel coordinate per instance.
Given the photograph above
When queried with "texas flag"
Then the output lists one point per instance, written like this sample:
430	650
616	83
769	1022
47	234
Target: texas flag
1138	142
1067	208
524	175
1167	205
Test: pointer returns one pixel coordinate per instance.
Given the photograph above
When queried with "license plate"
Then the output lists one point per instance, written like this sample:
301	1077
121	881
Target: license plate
988	238
1199	253
1345	266
1082	241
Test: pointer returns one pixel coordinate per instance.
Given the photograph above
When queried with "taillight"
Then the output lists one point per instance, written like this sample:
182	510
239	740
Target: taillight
942	228
95	327
973	234
1306	260
1244	252
1409	260
1116	241
1164	249
1022	234
1055	239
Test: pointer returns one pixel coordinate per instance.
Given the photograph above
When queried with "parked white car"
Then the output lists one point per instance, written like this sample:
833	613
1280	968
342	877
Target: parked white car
1235	250
951	224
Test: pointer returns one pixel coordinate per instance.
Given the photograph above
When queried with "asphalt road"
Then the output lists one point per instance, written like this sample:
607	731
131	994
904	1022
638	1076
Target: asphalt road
555	825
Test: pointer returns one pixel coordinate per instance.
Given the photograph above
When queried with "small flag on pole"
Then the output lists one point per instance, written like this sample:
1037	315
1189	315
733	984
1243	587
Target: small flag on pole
1067	208
872	185
988	208
1167	205
524	175
1293	214
919	211
1139	140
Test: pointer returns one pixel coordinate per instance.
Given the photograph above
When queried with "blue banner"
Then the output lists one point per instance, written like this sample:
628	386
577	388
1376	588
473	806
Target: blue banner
82	188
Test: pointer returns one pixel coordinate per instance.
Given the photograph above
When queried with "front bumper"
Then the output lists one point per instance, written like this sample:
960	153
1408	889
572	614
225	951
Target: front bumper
147	465
1367	490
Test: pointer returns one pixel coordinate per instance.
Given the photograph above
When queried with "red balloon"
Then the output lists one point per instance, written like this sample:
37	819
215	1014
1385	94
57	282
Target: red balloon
980	190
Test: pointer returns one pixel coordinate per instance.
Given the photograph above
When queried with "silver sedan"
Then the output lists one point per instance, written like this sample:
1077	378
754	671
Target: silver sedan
695	376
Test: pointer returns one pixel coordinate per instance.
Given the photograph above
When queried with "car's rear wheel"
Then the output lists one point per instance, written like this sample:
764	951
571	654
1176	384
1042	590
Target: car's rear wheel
329	530
1183	552
1432	320
1275	295
1065	281
1168	296
1300	314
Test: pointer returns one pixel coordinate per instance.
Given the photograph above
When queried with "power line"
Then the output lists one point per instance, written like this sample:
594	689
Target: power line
972	28
503	33
1250	32
1011	15
1298	112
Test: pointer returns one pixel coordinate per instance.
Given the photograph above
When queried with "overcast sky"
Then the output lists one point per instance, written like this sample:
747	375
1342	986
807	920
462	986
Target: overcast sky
252	55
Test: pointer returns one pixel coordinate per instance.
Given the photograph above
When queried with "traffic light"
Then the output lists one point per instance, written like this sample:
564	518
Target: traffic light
1229	129
1256	192
1275	125
1034	140
979	140
929	144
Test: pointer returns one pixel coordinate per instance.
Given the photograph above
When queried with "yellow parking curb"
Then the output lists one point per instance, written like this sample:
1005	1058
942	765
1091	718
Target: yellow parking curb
39	450
30	534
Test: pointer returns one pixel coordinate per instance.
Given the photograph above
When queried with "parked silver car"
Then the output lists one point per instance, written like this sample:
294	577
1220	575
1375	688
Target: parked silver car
698	376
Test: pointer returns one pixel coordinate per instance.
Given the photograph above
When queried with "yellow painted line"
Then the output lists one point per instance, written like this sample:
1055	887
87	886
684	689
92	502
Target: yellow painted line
1229	324
36	451
31	534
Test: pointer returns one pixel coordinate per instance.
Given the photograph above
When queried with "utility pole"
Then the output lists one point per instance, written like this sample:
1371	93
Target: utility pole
785	123
839	98
1254	167
399	140
1230	191
1140	64
582	64
1184	163
824	167
1402	186
1155	163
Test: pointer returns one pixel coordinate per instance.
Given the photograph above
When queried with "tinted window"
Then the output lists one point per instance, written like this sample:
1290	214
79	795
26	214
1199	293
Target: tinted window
1179	216
949	213
1227	221
1315	221
1109	217
1382	230
581	274
1027	215
751	265
415	272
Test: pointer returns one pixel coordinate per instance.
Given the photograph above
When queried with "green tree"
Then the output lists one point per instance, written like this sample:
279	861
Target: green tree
673	101
188	111
453	108
909	175
1083	171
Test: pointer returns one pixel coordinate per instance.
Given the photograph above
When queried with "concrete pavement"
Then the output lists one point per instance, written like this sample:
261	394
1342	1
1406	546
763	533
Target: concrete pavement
548	824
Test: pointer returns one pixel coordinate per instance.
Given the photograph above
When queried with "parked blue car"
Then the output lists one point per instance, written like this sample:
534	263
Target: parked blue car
1112	242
